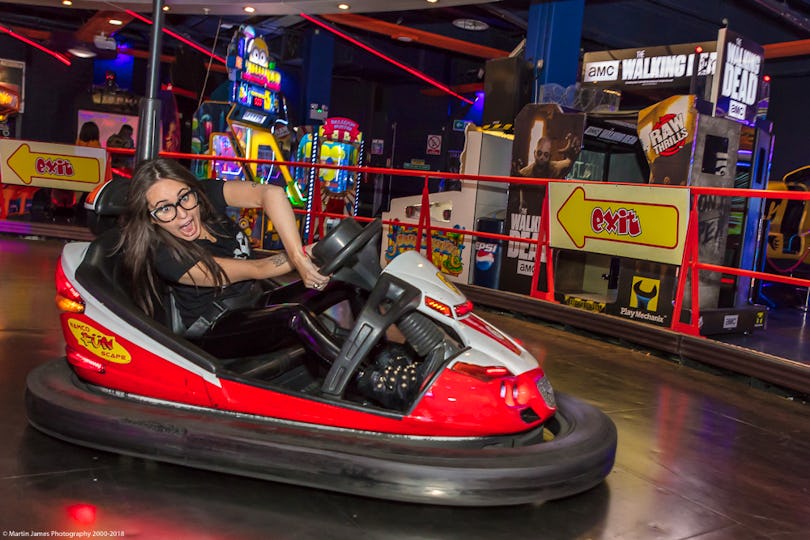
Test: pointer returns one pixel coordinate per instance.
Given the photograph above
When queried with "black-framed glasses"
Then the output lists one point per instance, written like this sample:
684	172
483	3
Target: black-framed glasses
167	212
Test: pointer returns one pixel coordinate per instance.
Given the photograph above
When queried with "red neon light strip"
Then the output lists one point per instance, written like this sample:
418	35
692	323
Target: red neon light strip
61	57
400	65
178	37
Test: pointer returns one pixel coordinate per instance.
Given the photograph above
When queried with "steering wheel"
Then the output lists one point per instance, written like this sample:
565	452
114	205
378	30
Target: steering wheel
338	250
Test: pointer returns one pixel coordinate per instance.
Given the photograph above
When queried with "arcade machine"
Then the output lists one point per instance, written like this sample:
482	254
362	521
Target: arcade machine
13	199
746	228
687	147
338	141
485	153
788	247
790	222
611	151
693	139
547	145
210	135
253	127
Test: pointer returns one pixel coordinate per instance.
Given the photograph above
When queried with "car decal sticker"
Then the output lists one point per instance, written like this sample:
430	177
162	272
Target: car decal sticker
97	342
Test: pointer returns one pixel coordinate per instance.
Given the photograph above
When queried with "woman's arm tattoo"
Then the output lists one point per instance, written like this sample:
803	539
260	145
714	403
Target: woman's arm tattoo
279	259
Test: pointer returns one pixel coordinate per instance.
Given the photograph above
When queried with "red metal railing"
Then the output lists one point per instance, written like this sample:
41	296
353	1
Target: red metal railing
690	265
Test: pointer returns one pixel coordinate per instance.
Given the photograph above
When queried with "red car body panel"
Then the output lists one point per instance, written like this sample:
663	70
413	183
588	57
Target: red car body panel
455	405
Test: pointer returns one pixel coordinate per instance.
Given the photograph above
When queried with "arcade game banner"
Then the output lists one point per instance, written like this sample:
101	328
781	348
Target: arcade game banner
670	66
9	100
547	142
735	90
12	86
667	134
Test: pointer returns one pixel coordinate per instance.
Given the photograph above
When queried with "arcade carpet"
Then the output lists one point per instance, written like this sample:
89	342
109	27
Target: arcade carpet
700	456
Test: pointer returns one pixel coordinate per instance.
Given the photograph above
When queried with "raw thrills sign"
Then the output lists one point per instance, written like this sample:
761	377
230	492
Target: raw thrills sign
667	131
669	134
672	66
736	87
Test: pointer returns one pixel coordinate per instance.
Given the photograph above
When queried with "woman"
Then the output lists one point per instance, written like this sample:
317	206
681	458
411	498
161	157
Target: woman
89	135
175	230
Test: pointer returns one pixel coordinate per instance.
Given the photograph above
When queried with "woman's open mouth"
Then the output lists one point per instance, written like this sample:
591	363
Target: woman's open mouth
189	229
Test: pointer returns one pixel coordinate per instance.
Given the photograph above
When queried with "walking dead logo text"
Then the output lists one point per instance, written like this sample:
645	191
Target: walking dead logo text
524	226
740	83
669	134
645	69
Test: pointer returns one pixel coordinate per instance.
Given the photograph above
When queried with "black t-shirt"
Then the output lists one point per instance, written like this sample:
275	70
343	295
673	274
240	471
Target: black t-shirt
231	242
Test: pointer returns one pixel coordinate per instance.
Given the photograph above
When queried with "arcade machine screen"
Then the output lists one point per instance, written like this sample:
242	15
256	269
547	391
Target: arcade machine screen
223	146
268	173
336	153
242	135
611	152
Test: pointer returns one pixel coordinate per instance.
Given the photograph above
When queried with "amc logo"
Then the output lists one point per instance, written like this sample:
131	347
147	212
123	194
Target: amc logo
601	71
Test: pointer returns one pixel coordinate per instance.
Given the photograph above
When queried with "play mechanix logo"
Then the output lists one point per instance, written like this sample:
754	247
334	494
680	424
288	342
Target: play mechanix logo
644	293
100	344
668	134
643	299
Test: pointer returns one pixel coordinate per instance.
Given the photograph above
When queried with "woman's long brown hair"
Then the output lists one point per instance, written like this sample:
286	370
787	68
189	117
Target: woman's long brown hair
140	236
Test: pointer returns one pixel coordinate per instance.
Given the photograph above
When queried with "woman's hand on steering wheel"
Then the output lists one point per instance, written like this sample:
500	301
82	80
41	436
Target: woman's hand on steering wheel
309	272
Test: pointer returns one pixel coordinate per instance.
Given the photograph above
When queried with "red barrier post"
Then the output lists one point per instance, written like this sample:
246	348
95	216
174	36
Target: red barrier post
544	248
688	266
424	222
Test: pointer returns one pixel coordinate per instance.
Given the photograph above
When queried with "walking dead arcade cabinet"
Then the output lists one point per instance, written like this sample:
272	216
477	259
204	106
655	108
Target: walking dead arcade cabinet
702	124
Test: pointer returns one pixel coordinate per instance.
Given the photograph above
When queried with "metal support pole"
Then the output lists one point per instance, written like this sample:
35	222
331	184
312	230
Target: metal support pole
553	41
149	112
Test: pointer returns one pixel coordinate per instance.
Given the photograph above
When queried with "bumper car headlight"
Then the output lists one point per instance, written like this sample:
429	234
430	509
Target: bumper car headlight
544	387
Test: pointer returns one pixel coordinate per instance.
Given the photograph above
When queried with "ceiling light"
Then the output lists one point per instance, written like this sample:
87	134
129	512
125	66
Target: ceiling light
166	8
249	9
473	25
432	1
67	3
115	22
81	51
344	7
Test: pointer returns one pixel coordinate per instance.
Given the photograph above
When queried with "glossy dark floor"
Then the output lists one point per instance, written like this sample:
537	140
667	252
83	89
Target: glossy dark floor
788	331
699	456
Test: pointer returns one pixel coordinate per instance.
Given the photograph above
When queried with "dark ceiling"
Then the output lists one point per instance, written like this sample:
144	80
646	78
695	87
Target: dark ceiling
608	24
